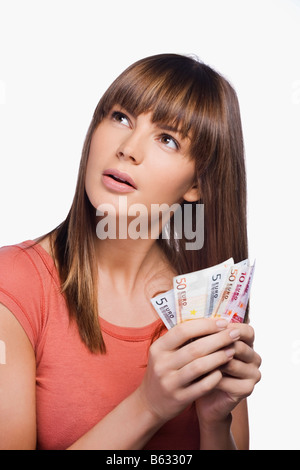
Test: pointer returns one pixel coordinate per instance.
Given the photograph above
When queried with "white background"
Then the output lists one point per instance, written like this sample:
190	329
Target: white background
56	60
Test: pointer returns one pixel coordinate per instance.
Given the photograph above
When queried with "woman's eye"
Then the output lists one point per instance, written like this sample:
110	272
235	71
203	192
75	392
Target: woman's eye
169	141
121	118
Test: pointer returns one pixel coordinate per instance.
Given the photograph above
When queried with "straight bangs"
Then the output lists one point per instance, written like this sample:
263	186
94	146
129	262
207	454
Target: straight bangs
180	92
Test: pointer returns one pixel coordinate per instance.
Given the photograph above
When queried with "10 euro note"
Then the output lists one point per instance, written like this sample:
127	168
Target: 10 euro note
238	309
237	276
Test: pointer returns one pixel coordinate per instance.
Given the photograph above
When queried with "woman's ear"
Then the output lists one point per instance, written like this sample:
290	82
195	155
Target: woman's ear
193	194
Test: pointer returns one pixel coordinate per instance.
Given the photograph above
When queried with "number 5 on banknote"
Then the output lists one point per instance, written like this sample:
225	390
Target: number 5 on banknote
164	304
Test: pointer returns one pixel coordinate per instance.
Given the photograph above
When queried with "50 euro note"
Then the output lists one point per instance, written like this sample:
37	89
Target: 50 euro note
195	293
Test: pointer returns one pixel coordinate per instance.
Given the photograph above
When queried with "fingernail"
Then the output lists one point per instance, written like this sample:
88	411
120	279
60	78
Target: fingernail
230	352
234	333
222	323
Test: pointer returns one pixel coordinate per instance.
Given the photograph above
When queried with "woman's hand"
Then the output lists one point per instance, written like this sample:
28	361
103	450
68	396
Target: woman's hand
180	371
239	376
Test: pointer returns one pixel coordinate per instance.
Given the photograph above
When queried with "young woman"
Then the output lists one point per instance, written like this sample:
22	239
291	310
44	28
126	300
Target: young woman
86	363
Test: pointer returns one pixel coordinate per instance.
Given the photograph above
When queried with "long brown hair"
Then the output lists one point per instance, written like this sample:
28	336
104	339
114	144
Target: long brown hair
188	94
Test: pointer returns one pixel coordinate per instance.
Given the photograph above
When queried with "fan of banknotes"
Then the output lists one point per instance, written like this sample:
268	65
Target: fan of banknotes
221	291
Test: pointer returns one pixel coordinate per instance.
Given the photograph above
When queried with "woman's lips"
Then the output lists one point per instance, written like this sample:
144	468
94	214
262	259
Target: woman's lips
118	181
119	175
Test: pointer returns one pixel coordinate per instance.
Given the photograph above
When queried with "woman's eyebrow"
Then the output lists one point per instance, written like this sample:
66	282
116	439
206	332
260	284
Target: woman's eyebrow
124	110
169	128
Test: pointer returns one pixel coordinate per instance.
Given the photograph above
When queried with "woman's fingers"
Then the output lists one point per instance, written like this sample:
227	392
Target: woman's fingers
185	331
240	388
201	387
202	366
240	370
179	372
195	357
241	374
204	346
246	353
246	332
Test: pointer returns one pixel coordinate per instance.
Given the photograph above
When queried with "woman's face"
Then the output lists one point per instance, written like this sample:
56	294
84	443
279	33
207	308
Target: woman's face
155	159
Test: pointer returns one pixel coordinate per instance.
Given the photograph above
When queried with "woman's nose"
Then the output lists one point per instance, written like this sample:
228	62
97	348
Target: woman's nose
131	148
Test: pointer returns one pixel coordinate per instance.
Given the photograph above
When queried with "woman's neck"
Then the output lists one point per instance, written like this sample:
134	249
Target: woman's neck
128	262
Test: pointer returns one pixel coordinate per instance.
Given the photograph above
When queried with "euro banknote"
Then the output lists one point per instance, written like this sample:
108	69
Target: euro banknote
236	276
164	304
237	307
191	290
221	291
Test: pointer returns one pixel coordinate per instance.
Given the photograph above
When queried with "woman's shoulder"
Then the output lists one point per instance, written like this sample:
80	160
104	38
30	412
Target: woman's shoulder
28	279
45	244
27	265
14	258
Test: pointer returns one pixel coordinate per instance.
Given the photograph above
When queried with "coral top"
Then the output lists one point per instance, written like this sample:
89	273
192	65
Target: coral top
75	388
